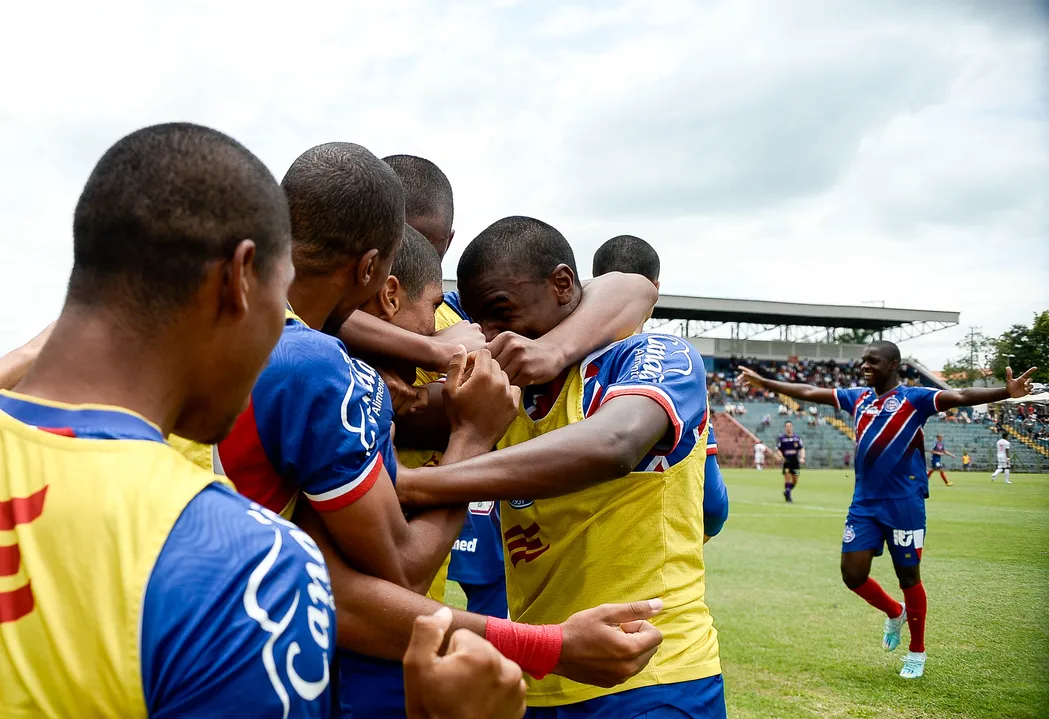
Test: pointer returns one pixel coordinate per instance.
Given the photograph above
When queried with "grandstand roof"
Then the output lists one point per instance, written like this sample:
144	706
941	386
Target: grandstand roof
761	315
682	307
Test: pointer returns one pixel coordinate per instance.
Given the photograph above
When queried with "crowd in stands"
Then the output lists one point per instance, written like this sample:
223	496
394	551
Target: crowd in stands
1030	420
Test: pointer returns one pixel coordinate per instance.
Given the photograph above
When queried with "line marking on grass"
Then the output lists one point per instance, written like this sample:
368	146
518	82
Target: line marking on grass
839	510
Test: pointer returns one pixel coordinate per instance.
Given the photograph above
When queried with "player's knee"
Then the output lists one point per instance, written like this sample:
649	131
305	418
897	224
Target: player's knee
853	576
909	576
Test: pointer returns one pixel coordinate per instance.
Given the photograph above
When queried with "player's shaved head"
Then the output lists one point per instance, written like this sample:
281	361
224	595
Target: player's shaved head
428	202
160	205
417	264
626	253
518	275
344	201
886	349
530	247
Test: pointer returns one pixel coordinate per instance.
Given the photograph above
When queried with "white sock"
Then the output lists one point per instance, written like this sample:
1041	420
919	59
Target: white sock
1007	475
996	473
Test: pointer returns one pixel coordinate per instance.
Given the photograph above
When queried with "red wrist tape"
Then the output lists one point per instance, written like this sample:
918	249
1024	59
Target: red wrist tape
535	648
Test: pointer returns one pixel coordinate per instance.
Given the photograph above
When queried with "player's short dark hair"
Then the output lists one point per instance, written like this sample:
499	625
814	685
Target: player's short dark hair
889	349
427	191
626	253
344	201
417	264
1005	435
526	245
159	205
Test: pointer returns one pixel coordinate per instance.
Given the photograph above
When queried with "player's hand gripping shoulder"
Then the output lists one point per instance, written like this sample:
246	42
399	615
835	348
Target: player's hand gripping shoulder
478	398
609	644
527	362
472	680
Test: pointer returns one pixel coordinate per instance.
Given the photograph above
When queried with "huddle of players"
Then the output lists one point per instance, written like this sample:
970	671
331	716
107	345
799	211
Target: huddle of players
204	305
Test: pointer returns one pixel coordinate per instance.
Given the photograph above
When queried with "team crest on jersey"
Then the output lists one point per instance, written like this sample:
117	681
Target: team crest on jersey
520	503
850	534
524	543
891	405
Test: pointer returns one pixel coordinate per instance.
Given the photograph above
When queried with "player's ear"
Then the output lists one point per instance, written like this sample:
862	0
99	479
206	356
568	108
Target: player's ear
367	267
451	236
563	281
656	283
390	298
236	279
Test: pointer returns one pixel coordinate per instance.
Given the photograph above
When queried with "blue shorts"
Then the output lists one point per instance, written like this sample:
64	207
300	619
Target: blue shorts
370	688
698	699
900	523
937	461
487	599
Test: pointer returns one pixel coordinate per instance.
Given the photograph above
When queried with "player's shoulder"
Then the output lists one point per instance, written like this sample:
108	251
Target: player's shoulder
303	348
305	357
651	357
233	583
910	391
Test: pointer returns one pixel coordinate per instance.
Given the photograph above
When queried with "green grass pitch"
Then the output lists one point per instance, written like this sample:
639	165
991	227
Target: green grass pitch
796	644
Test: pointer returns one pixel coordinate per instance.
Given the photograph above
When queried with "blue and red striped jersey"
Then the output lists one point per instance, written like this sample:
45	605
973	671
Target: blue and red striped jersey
890	440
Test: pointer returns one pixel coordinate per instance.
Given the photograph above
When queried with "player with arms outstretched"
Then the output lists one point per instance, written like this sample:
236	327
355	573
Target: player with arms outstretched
936	455
1002	447
888	505
791	451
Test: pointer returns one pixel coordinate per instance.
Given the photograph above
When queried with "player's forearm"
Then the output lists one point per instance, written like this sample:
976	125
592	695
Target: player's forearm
427	543
370	337
430	535
804	392
971	396
375	616
613	306
572	458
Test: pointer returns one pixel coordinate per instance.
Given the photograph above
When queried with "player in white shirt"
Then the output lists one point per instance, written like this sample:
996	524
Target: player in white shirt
759	456
1003	458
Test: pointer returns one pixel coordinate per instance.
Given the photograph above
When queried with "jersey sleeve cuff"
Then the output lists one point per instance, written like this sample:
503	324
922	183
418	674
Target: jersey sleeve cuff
349	492
653	393
837	402
712	450
936	400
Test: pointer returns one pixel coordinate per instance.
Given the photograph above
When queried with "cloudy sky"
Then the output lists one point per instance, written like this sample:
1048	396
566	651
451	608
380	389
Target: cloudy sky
811	151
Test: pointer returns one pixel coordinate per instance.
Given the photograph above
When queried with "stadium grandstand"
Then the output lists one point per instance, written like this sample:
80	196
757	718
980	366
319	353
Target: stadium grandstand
822	345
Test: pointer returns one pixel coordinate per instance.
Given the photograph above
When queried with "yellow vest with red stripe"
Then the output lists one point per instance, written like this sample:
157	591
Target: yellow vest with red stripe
629	539
82	522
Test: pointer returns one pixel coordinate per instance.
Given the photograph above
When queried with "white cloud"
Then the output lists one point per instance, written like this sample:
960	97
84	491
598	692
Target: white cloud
805	151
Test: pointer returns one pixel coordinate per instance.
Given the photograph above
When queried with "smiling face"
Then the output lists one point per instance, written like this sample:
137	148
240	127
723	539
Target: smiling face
880	368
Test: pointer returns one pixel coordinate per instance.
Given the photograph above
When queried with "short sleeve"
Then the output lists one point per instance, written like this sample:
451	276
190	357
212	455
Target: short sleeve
712	442
325	419
847	399
925	400
238	612
669	371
